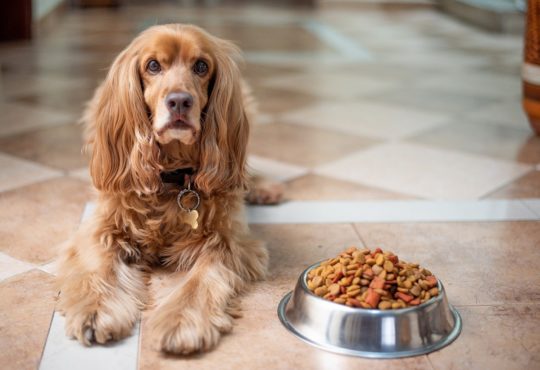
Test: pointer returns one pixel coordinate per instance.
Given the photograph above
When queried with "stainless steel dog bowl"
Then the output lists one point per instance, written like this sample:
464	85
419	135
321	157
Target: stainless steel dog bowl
369	333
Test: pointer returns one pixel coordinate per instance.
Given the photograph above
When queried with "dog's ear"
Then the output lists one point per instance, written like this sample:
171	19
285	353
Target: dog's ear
124	155
225	128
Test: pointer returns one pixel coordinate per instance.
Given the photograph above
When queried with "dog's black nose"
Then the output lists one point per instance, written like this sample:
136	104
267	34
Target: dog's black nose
179	102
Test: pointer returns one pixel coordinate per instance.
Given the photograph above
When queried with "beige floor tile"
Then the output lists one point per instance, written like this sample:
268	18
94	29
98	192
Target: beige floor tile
507	113
367	70
36	218
303	146
334	86
258	74
42	146
437	60
259	341
277	101
434	100
249	36
59	93
314	187
376	120
496	338
26	310
67	101
527	186
486	139
479	84
293	248
12	85
17	172
17	118
477	262
425	172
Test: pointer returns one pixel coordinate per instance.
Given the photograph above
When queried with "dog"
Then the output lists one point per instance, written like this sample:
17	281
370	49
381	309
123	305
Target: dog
167	131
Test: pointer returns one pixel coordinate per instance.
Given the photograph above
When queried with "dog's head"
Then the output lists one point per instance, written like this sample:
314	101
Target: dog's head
173	83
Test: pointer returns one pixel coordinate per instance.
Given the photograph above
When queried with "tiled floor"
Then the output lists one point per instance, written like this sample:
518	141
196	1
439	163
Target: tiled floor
401	105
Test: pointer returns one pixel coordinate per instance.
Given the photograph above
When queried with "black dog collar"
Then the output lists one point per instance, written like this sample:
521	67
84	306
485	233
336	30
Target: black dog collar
177	177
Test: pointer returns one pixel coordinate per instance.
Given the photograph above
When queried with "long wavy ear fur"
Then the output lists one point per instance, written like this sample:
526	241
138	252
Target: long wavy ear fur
225	129
124	154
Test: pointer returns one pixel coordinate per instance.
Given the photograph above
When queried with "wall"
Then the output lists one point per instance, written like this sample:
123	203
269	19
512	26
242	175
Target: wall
41	8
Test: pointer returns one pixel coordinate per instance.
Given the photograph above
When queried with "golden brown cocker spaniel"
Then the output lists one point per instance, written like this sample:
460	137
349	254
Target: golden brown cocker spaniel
167	129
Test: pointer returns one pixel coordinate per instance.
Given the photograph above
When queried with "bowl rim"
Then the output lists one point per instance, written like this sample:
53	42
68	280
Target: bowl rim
372	311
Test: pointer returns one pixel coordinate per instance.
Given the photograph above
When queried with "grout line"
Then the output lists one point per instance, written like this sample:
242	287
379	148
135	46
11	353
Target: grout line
359	235
511	181
429	361
46	337
525	204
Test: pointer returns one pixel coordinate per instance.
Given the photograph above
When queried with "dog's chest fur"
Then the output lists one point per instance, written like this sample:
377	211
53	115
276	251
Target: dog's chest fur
156	226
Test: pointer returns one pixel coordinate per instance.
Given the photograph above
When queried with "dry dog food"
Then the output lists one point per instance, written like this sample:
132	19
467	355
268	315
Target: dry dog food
372	279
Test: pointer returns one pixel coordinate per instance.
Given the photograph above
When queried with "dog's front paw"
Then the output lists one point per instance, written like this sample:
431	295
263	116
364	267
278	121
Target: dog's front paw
97	326
189	330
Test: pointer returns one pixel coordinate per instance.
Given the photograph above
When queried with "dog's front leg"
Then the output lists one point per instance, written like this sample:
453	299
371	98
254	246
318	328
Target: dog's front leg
100	295
193	317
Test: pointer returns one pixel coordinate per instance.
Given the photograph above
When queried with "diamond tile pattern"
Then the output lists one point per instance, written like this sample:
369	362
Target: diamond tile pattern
356	103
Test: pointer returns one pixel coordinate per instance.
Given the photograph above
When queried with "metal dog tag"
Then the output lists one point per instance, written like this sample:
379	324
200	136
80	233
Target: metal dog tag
192	219
192	214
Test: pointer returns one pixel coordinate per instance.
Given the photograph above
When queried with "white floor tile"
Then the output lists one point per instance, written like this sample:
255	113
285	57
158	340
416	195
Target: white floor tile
63	353
479	84
533	205
425	172
274	170
10	266
88	210
507	113
19	172
375	120
390	211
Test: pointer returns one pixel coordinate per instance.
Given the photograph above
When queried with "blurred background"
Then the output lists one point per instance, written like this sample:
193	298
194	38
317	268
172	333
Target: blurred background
358	100
423	98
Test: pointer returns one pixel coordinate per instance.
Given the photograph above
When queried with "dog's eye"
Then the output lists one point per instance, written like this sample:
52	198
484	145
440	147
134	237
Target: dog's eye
153	66
200	67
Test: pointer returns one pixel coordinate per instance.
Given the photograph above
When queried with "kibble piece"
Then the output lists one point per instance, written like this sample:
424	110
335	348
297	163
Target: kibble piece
320	291
334	289
317	281
377	269
415	290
